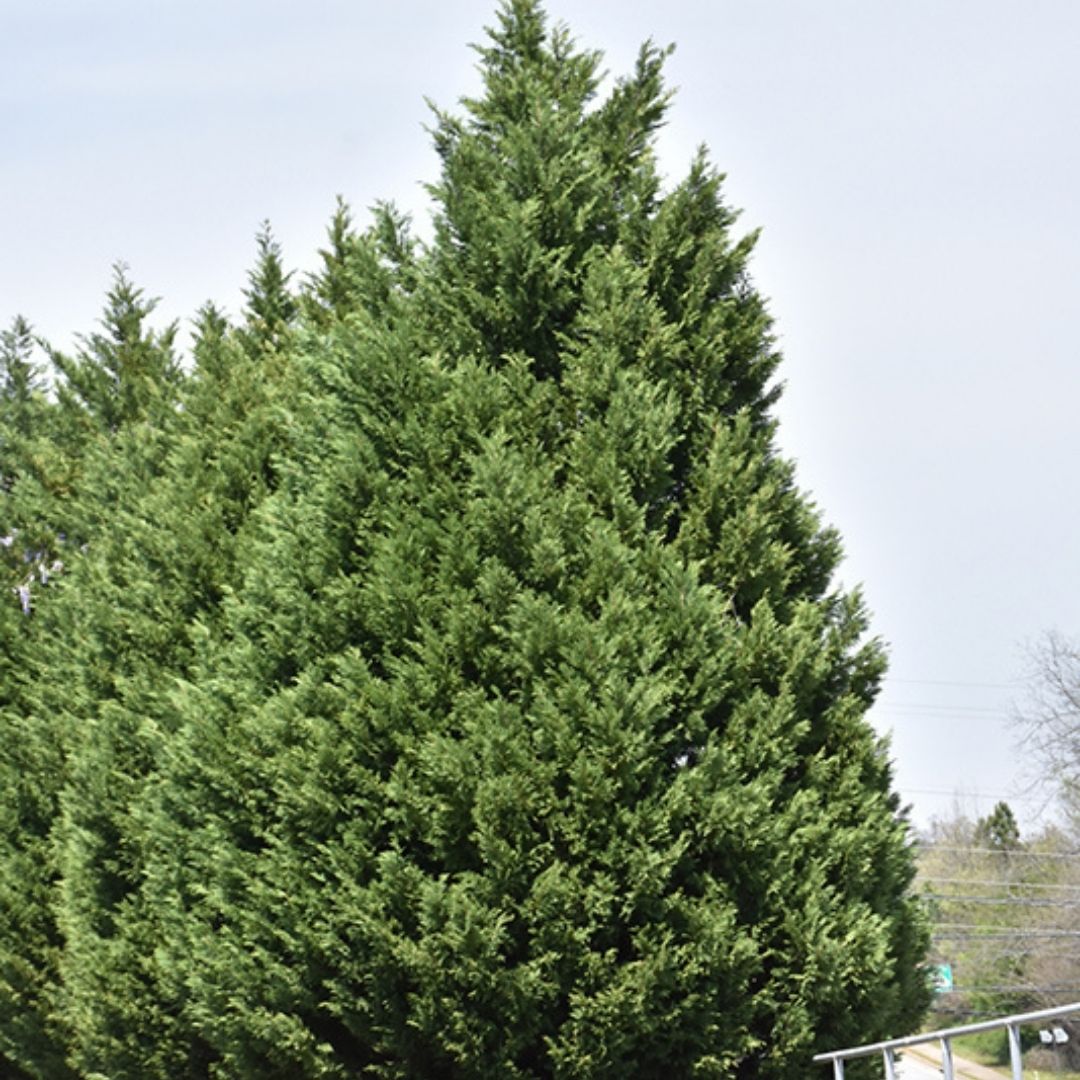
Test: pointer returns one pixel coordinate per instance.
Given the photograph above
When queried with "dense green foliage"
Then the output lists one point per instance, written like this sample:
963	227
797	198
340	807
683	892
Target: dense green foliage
443	678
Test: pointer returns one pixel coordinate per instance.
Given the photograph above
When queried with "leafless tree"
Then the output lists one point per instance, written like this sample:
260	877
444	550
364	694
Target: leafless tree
1049	718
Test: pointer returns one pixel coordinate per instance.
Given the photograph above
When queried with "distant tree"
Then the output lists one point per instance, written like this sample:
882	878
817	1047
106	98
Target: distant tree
1049	718
968	885
998	830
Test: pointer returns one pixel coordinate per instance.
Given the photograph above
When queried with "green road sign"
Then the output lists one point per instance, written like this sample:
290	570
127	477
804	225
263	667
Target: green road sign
941	978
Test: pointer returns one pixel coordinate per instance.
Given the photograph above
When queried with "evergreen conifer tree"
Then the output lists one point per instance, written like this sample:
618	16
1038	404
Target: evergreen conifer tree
36	470
88	457
455	686
136	635
93	452
534	744
31	497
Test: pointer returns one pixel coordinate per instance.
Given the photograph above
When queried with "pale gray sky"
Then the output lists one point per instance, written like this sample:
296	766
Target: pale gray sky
913	165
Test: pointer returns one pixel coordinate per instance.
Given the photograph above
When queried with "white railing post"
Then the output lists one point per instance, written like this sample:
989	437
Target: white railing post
946	1059
838	1069
1014	1052
890	1063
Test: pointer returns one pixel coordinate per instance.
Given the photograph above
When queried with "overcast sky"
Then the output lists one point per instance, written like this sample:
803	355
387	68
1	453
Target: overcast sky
913	166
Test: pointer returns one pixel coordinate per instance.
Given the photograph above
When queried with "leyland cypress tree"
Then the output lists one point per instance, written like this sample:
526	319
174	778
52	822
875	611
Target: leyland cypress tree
35	470
140	602
456	685
89	451
532	741
33	474
130	641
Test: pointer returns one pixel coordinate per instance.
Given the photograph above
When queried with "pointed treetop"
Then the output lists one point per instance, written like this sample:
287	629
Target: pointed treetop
20	376
126	366
270	307
393	237
329	292
524	56
520	34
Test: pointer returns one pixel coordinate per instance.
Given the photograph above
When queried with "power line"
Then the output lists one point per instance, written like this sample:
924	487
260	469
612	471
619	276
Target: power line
971	932
1003	951
1052	931
936	708
897	714
1011	853
1003	901
955	682
968	795
971	1014
1000	884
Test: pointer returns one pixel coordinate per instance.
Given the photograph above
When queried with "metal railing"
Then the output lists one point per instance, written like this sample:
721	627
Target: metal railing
888	1049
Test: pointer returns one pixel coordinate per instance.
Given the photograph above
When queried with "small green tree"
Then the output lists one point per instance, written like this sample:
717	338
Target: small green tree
998	831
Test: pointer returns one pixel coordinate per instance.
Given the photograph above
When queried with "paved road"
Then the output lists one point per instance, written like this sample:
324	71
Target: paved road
913	1068
917	1067
925	1065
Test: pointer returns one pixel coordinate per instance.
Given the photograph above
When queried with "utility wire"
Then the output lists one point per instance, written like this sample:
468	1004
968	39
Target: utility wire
1011	853
954	682
1068	931
1002	901
930	707
962	795
1000	884
1005	935
1006	952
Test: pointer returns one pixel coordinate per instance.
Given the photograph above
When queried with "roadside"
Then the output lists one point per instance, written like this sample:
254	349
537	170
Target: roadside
930	1054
